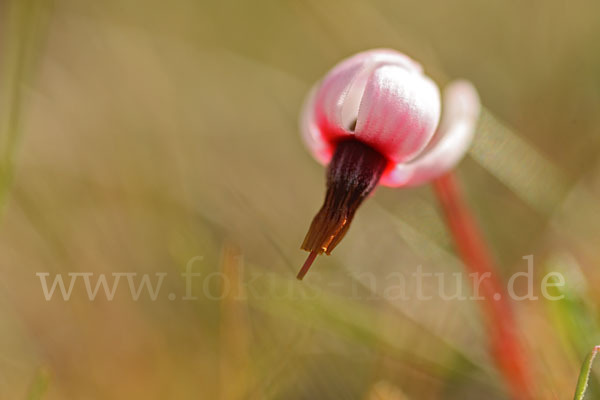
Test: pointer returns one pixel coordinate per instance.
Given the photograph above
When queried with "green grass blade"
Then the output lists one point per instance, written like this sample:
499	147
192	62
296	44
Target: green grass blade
23	24
584	375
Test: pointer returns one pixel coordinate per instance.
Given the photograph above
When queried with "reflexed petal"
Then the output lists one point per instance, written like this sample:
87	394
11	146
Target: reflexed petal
330	99
399	112
451	142
311	133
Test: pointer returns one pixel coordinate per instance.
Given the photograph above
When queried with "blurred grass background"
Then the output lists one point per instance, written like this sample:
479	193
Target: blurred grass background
137	135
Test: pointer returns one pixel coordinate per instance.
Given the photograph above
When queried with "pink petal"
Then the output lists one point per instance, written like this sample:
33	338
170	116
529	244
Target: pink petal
311	133
333	105
399	112
451	142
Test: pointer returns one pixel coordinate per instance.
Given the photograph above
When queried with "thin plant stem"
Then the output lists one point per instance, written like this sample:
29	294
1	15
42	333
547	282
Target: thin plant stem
500	323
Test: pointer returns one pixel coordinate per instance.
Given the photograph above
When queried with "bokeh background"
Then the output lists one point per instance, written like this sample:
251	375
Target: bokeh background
138	135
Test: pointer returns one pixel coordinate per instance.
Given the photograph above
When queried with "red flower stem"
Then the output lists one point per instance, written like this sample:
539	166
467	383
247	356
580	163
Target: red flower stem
504	342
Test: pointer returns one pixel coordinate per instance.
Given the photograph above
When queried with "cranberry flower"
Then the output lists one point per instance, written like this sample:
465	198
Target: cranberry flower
375	119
